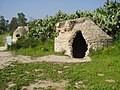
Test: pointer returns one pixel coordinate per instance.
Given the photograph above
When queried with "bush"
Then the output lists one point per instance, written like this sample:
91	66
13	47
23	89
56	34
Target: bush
26	42
29	42
44	48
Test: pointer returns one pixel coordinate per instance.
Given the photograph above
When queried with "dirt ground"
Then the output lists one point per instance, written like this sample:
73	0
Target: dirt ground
7	57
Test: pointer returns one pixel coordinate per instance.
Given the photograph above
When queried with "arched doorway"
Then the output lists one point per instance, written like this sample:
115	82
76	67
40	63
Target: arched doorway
79	46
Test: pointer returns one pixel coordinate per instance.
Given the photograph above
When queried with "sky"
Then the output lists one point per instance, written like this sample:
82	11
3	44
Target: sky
40	8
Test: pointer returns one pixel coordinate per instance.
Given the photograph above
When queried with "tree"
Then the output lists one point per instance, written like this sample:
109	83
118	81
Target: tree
21	19
7	25
3	28
13	24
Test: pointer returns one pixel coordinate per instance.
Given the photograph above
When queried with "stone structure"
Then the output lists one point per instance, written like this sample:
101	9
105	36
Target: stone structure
77	37
19	32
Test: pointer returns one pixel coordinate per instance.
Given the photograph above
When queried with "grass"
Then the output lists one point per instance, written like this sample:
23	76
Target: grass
87	73
100	74
40	50
2	39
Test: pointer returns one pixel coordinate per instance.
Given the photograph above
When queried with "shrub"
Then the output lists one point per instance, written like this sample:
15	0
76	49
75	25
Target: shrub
25	42
29	42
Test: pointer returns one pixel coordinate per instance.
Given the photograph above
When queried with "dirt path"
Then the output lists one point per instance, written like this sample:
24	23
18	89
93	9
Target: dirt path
7	57
2	48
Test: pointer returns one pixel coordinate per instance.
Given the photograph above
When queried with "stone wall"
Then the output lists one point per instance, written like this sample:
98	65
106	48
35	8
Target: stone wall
21	30
94	36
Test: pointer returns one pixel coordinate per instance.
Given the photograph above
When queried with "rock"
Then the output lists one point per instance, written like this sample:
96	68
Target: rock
10	85
59	72
110	81
79	84
100	74
65	67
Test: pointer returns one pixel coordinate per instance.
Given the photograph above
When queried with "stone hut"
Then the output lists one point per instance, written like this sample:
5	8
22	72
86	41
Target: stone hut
21	30
77	37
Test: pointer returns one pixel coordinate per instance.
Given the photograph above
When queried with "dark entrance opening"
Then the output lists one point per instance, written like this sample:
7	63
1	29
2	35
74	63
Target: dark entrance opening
79	46
18	35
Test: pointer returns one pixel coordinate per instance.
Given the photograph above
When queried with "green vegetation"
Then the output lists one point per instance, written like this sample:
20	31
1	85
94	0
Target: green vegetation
100	74
3	25
13	25
38	47
108	18
46	48
25	42
17	21
21	19
2	39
